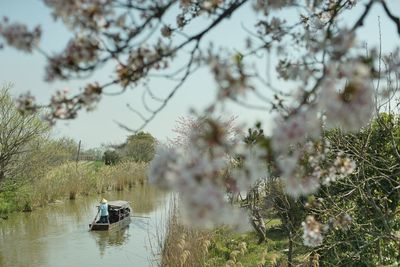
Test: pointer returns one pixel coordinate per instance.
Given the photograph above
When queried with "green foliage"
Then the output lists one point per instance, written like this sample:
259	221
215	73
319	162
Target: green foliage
370	196
7	196
111	157
228	245
97	164
290	211
14	197
62	149
256	136
253	136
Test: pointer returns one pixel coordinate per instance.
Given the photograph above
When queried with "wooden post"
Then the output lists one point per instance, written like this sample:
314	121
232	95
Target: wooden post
77	154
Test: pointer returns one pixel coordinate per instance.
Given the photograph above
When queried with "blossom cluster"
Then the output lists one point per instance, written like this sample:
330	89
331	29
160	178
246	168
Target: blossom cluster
350	109
18	35
267	5
88	14
230	75
197	173
342	166
83	49
189	10
140	61
26	103
62	105
312	232
309	166
200	5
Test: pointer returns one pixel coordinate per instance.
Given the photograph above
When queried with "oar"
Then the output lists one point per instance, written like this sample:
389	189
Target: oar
94	220
140	216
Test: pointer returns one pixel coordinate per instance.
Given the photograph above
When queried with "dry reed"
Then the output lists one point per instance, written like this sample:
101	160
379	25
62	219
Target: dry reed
70	180
181	245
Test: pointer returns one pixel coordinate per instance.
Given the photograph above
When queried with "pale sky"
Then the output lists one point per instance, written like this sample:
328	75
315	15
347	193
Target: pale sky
26	71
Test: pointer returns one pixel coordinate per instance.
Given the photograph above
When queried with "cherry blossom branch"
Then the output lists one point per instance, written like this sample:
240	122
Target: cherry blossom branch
174	90
395	19
360	21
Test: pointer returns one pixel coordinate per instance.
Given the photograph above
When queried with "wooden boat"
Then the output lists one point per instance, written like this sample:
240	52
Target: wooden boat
119	216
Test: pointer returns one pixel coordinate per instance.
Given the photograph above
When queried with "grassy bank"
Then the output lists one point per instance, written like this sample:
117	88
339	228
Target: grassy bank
230	248
70	180
220	247
185	246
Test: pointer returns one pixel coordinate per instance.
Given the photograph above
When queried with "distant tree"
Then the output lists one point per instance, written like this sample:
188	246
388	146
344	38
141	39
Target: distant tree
66	149
187	126
110	157
17	132
139	147
44	153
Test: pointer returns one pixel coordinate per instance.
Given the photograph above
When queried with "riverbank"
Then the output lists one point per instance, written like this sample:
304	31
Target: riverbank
69	181
186	246
224	247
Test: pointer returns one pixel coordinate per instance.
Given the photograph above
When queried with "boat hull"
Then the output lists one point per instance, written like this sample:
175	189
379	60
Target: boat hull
111	226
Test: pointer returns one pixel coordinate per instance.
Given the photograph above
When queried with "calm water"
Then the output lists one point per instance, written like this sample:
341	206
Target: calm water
58	235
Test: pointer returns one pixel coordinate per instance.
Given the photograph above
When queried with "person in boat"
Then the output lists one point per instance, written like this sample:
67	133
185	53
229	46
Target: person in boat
103	209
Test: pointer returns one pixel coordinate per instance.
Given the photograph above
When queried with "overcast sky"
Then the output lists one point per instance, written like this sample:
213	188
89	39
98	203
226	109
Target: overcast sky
26	72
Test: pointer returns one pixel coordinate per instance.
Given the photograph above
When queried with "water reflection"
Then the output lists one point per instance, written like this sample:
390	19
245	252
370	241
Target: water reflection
141	223
105	239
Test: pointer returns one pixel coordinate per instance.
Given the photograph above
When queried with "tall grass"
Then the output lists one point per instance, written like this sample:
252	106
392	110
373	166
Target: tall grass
125	174
70	180
179	245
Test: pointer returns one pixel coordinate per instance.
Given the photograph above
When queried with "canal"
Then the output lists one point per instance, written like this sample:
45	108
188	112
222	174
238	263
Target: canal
58	236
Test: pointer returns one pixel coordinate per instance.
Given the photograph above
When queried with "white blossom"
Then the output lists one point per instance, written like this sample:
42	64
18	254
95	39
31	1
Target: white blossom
203	205
297	181
312	232
344	165
296	129
351	108
253	167
81	13
162	167
295	187
18	36
26	103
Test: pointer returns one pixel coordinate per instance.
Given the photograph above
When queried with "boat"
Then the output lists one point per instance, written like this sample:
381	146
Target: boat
119	216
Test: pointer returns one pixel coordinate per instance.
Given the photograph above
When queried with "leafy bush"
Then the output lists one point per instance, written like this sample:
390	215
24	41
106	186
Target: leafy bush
110	157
